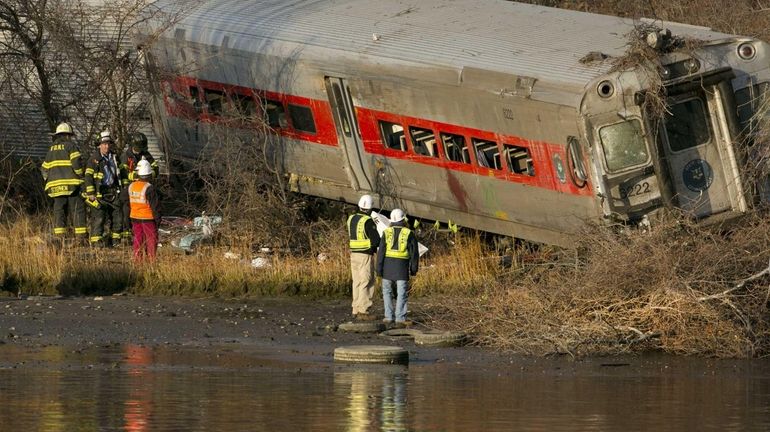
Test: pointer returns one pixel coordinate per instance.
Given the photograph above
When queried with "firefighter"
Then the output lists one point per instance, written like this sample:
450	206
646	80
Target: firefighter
364	239
63	175
145	216
136	150
103	184
397	260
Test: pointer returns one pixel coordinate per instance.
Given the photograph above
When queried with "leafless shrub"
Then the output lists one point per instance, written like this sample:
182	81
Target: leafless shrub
677	288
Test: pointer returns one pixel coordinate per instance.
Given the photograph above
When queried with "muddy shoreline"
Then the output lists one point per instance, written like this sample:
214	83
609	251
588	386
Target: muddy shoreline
291	330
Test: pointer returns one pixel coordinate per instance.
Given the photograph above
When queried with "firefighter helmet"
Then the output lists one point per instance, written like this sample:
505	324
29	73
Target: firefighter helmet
365	203
105	137
64	128
397	215
139	141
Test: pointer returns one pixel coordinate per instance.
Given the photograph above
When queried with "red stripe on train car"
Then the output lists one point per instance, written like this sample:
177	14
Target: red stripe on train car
180	102
541	153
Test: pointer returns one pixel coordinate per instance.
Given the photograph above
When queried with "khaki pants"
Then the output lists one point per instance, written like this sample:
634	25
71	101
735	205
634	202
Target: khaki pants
362	270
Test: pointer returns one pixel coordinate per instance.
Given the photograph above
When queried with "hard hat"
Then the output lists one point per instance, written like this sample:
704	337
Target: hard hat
105	137
365	203
143	168
397	215
63	128
139	141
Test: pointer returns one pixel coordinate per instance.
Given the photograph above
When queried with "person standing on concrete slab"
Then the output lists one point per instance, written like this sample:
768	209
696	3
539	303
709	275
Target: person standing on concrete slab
397	260
364	239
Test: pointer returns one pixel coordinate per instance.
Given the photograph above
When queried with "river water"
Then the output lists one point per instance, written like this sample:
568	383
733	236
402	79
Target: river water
138	388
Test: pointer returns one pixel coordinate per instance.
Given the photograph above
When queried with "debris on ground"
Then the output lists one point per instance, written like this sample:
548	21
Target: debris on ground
187	235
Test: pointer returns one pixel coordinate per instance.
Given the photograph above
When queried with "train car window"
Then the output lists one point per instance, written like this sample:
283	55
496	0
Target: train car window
623	145
195	98
339	101
518	159
302	118
487	153
393	135
423	141
214	101
455	148
245	106
275	115
687	125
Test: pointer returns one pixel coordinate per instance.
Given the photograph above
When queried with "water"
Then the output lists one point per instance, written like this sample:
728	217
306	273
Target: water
135	388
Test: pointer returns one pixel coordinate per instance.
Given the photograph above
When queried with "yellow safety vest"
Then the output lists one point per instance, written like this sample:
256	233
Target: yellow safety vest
391	251
361	242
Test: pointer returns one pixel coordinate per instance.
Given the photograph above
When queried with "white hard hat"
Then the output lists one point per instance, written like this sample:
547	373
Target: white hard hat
365	202
143	168
105	136
397	215
63	128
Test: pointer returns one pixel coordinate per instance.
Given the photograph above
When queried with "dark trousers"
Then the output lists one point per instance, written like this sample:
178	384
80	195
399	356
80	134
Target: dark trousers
145	239
72	204
126	207
110	213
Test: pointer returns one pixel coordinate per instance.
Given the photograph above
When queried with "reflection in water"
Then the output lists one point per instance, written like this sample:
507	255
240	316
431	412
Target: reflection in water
138	404
377	397
135	388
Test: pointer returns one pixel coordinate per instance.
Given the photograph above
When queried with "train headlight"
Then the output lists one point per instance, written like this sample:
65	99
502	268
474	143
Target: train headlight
605	89
665	73
747	51
692	65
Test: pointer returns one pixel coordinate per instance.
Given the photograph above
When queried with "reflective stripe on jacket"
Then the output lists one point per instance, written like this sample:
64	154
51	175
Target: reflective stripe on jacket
359	241
396	247
140	206
62	168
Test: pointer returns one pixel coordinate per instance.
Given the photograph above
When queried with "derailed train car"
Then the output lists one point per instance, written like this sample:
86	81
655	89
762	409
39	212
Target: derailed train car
480	112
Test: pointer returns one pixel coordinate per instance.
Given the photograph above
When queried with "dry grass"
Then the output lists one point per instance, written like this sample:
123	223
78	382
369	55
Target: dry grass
678	288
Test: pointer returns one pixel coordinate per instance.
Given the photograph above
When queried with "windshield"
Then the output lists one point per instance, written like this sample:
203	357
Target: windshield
687	125
623	145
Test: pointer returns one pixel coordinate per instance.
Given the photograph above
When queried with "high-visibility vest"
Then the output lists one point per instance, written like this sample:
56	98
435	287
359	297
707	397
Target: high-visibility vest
137	196
396	249
360	242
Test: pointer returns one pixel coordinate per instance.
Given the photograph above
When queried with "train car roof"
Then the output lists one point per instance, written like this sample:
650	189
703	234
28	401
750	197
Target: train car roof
494	35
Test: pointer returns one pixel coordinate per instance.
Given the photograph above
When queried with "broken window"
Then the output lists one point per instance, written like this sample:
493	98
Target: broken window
274	113
624	145
195	98
393	135
214	101
245	106
423	141
302	118
487	154
518	159
455	148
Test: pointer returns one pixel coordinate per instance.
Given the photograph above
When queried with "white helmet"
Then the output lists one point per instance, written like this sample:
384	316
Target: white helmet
143	168
397	215
105	136
365	203
64	128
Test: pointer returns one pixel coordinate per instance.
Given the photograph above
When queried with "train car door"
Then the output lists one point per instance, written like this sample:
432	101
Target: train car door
348	133
697	144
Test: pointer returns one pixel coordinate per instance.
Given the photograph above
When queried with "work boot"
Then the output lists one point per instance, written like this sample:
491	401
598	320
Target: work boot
404	324
365	317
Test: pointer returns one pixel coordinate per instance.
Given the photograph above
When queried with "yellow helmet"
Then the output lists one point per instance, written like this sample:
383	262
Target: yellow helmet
64	128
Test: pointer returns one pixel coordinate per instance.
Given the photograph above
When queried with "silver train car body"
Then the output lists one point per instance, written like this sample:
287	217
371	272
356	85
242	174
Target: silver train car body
479	112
